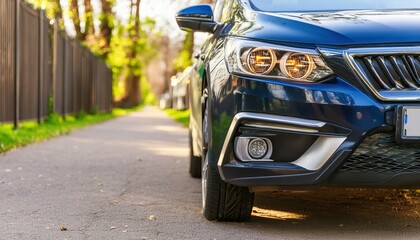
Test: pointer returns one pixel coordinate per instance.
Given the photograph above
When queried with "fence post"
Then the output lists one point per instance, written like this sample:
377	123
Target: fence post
40	64
17	63
54	64
109	90
64	76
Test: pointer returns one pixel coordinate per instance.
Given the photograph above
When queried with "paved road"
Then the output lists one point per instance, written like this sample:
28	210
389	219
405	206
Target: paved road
127	179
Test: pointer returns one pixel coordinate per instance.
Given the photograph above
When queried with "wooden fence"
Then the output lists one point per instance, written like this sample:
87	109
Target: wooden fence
43	70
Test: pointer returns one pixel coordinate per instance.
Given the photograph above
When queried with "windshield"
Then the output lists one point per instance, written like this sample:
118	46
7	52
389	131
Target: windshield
331	5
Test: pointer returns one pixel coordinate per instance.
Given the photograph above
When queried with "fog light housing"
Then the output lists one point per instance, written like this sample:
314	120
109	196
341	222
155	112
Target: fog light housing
250	149
257	148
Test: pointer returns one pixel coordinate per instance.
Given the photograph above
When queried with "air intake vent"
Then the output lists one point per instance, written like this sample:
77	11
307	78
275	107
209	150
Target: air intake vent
396	72
391	74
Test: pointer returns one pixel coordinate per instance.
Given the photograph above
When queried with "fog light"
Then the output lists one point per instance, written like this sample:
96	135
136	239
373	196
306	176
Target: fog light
257	148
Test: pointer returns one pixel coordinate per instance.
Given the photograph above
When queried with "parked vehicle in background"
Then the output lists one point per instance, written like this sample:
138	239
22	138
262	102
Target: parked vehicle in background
300	94
179	86
165	101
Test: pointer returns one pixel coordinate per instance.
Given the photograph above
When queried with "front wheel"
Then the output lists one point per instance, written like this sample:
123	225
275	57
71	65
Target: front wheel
221	201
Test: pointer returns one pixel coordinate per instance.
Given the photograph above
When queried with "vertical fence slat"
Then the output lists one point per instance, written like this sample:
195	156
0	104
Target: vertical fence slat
40	65
7	60
29	63
46	65
17	64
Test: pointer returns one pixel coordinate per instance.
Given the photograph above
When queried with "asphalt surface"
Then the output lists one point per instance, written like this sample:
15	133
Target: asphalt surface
127	179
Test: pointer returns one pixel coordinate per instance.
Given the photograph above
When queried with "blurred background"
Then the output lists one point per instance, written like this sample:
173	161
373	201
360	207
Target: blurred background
138	40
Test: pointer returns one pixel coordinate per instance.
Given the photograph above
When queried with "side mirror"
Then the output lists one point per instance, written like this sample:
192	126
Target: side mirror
196	18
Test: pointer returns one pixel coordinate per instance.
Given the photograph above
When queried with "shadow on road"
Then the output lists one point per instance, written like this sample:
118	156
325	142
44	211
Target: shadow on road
339	211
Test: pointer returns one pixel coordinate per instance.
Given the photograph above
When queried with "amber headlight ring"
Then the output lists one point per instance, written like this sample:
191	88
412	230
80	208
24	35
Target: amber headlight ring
297	65
260	60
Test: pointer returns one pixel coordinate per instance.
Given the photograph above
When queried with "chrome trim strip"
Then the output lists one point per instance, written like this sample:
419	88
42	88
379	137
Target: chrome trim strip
279	119
294	122
396	95
384	50
319	153
283	127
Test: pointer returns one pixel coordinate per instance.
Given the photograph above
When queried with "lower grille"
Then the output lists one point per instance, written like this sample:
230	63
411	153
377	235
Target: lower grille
380	153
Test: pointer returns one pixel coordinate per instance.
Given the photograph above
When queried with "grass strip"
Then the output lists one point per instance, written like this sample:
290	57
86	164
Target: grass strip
182	117
52	126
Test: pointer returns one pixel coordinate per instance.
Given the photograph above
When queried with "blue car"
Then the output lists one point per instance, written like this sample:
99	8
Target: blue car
301	94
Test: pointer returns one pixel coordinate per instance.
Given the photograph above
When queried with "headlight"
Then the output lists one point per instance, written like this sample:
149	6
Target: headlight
297	65
260	60
269	60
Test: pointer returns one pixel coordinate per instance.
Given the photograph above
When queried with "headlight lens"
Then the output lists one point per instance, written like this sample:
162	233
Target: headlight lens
296	65
268	60
260	60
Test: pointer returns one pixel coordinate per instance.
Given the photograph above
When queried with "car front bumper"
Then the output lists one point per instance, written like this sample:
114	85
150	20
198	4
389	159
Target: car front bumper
329	133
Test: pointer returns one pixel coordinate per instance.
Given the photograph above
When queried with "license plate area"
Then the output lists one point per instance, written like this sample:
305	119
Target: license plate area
408	124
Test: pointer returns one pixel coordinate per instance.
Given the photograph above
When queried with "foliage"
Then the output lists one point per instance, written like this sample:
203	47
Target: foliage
148	97
127	48
182	117
184	56
54	125
130	56
52	7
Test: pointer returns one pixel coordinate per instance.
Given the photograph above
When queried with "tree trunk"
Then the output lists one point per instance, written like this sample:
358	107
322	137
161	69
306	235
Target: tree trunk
58	10
132	82
189	42
106	25
75	17
137	19
88	18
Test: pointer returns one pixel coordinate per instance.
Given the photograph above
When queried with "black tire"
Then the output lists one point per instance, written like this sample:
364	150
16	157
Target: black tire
195	162
222	201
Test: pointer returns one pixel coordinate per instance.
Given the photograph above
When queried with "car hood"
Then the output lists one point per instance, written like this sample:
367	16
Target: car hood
333	28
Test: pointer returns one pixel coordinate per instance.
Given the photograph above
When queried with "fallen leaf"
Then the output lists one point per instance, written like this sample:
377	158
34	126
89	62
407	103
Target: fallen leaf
62	228
152	217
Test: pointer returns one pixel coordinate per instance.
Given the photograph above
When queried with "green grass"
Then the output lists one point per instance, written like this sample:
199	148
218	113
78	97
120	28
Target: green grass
54	125
182	117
